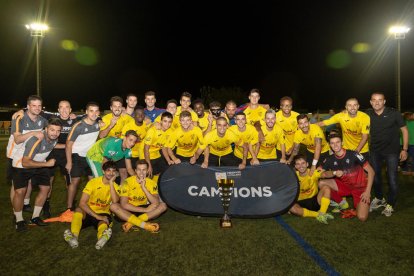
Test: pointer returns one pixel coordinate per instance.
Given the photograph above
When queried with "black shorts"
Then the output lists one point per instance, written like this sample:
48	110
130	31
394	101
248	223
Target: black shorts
120	164
310	203
60	156
183	158
322	157
91	221
267	160
159	165
9	169
39	176
228	160
279	155
80	166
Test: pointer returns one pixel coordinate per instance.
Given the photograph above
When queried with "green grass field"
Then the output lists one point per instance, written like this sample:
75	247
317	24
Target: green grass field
189	245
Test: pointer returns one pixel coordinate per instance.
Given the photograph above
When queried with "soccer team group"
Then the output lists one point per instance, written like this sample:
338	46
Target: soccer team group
133	145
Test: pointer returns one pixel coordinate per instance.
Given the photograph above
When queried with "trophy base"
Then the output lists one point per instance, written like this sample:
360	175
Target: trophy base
225	223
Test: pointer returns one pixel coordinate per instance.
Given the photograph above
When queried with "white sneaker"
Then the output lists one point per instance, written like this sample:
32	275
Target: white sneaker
70	238
387	211
106	235
376	203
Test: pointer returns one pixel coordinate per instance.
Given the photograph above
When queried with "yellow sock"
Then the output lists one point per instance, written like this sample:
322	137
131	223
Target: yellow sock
135	221
309	214
143	217
76	224
324	204
101	227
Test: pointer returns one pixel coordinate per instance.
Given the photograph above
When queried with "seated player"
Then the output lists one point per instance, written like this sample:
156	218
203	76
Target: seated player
93	209
311	203
139	201
348	171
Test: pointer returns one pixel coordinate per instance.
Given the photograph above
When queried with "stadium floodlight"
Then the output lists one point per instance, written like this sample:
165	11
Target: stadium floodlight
37	31
399	32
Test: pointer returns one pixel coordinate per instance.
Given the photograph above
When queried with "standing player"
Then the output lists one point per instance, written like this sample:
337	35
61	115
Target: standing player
80	139
94	207
186	141
171	108
22	128
131	103
254	112
311	202
247	135
286	120
185	102
230	110
203	116
139	201
30	163
386	124
272	136
156	139
217	146
151	111
348	169
114	121
141	126
355	127
313	138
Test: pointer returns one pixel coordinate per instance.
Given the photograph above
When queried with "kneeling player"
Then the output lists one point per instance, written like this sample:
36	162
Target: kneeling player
347	167
139	201
311	203
94	206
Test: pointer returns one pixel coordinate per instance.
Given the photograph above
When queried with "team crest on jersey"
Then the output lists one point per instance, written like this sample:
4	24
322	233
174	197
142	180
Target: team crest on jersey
44	147
70	121
347	161
27	125
86	129
111	152
335	163
40	123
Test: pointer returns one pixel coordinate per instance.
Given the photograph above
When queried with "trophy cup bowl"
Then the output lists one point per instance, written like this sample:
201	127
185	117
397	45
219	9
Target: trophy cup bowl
226	191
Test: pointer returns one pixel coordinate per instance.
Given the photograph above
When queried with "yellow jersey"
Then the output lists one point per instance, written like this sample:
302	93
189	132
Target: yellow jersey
194	116
220	146
138	150
203	122
116	131
133	191
308	139
255	115
308	184
187	142
289	125
272	138
249	135
352	128
99	195
156	139
175	122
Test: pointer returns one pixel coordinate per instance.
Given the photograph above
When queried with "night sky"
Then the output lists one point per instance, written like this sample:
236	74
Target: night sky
304	49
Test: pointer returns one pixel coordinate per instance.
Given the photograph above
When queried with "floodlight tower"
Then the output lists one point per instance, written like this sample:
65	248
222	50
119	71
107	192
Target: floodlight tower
399	33
37	31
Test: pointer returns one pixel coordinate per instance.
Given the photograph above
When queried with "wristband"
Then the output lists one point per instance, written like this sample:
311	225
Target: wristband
314	162
405	150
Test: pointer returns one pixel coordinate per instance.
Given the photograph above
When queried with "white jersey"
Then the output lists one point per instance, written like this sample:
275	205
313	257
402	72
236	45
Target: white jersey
35	149
83	136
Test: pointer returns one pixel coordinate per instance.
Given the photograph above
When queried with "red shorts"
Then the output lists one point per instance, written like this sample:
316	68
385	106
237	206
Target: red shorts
346	190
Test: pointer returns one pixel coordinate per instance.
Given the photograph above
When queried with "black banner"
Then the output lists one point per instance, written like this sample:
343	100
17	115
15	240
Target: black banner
259	191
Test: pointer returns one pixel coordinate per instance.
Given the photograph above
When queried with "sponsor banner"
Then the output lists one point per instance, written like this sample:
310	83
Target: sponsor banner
259	191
